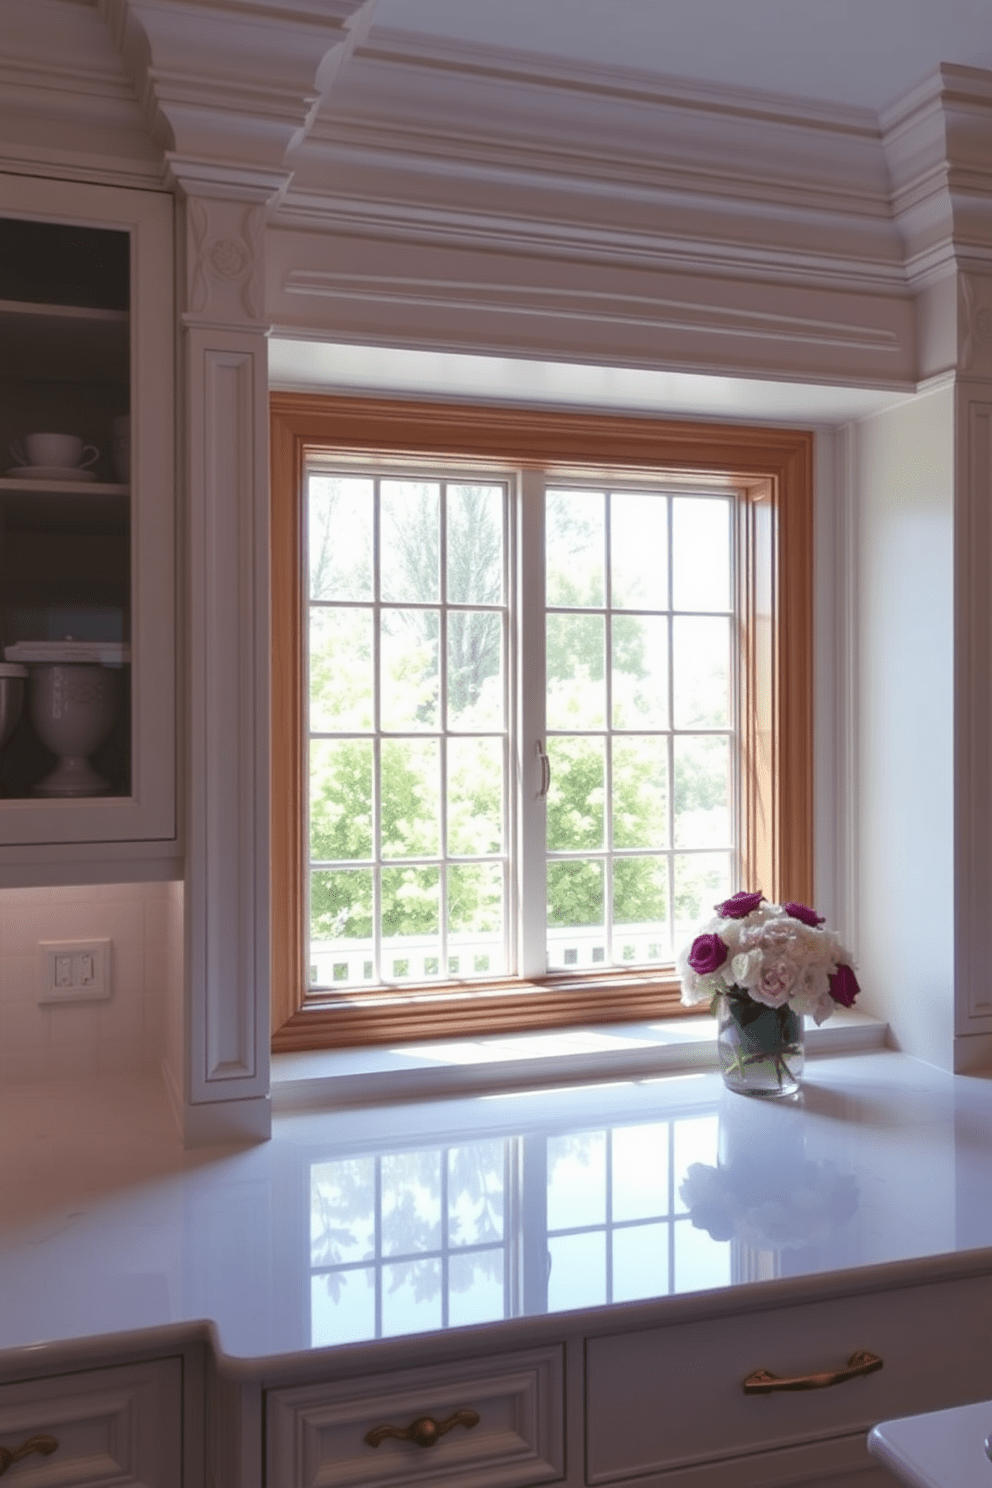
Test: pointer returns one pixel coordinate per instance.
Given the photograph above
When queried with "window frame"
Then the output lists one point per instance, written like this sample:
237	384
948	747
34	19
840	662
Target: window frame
773	470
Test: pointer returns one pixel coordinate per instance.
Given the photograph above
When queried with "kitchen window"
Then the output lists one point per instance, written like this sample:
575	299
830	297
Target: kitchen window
541	697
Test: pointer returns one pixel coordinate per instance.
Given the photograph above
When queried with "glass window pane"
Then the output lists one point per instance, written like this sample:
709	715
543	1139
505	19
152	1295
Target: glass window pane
340	799
409	541
576	1180
411	798
411	915
475	669
574	546
475	544
576	685
640	792
575	798
476	1192
342	1211
340	670
340	926
640	1171
339	536
702	790
702	880
575	913
640	1262
476	1288
476	930
475	796
638	551
410	686
640	910
578	1271
701	552
640	672
701	672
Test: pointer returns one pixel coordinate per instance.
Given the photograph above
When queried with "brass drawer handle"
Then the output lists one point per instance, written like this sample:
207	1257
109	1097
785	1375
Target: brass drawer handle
46	1445
763	1382
425	1430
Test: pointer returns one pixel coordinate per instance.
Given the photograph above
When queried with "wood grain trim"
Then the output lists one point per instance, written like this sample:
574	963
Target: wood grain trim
775	466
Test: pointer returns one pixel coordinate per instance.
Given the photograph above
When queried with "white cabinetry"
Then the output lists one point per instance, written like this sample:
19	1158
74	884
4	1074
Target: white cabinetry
495	1422
654	1393
104	1428
87	544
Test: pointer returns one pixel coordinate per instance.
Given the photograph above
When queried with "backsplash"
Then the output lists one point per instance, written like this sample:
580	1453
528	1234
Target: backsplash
136	1026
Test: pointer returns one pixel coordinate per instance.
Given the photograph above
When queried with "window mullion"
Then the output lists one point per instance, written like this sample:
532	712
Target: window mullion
531	806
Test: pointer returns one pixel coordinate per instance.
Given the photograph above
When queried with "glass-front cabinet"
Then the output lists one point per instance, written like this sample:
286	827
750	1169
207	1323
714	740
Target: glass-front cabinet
87	530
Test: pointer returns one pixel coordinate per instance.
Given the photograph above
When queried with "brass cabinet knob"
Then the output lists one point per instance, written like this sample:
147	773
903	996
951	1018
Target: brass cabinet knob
763	1382
425	1430
45	1445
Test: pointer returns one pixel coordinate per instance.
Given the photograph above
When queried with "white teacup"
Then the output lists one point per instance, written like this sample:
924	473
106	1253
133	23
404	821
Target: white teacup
60	451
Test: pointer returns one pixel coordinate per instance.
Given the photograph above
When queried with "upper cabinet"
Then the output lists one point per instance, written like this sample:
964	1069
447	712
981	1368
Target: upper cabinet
87	533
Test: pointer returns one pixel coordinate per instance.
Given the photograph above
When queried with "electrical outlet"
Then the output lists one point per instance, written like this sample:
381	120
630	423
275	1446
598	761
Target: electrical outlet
73	970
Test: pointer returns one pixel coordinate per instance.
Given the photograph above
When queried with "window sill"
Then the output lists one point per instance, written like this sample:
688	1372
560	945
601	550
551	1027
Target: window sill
458	1067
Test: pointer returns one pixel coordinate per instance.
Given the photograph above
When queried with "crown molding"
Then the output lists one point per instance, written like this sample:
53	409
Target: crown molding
68	106
228	87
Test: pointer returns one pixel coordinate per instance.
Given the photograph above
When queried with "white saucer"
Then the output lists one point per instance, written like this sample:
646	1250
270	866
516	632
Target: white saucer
52	472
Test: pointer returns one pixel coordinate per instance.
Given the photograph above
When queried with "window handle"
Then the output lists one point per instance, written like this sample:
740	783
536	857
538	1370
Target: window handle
545	769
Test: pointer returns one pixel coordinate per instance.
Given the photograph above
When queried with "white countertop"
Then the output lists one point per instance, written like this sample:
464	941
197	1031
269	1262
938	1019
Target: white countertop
942	1449
363	1223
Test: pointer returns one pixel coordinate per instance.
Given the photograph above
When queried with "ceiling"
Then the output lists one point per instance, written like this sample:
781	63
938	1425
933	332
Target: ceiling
855	53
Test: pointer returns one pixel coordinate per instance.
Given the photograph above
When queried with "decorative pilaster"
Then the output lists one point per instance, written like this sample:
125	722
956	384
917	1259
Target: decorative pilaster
227	671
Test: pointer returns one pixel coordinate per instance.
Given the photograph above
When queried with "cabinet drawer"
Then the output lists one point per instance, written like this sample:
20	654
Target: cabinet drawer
119	1427
316	1433
671	1398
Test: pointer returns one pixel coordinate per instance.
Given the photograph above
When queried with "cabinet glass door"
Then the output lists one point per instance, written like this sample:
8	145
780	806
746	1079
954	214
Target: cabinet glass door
87	532
65	509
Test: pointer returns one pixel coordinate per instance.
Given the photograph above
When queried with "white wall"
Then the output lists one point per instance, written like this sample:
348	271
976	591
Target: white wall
903	479
127	1032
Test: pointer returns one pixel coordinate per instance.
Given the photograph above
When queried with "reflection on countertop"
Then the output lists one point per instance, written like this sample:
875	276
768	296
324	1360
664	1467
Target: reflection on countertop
362	1224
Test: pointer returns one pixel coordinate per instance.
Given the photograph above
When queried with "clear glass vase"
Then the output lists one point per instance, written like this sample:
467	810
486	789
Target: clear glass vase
760	1049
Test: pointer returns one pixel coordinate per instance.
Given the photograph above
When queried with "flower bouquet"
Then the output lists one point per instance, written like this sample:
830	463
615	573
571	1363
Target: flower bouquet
762	967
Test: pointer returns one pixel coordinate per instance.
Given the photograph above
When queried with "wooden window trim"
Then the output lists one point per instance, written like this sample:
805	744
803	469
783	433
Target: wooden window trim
772	466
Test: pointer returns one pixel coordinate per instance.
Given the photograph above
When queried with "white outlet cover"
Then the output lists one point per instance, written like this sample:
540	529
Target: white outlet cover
50	952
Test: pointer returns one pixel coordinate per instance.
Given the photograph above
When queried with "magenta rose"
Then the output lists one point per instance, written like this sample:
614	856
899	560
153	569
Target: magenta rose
843	986
804	913
739	905
708	954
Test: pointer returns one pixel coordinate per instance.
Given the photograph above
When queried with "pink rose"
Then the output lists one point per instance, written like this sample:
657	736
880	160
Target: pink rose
844	986
773	985
739	905
707	954
804	913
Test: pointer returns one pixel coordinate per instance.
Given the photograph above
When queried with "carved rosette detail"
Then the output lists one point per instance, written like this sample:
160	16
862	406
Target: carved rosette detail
228	258
226	250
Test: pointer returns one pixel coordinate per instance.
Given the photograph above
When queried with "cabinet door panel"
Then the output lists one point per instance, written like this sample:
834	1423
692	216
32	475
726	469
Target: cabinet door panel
672	1397
115	1428
316	1433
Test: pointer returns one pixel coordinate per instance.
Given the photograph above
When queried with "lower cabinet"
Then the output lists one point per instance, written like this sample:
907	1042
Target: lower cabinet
103	1428
495	1422
667	1405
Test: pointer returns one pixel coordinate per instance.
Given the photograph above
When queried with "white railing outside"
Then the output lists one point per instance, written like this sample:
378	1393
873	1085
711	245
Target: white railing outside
410	958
